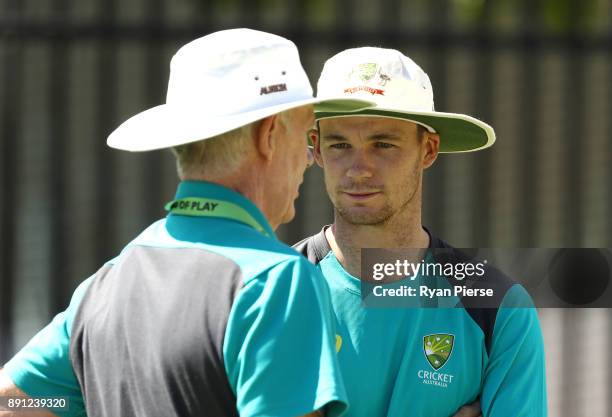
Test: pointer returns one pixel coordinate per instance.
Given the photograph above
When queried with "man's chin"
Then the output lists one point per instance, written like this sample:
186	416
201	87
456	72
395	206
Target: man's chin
362	216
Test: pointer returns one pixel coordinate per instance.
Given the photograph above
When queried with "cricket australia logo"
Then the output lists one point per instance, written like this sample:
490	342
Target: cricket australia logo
438	348
365	73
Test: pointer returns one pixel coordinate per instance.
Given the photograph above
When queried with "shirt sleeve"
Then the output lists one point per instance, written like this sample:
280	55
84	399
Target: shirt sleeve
43	368
279	348
515	376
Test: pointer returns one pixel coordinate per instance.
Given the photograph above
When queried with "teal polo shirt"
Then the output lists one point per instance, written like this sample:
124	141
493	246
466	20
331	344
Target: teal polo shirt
429	362
198	315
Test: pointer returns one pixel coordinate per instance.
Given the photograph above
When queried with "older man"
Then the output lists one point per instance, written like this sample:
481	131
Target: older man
411	361
205	311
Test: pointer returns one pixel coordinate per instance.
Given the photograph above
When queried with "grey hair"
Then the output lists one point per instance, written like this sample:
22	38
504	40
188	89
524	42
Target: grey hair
421	130
215	157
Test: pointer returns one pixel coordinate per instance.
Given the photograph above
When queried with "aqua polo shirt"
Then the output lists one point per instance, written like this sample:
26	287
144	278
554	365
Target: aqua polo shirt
196	316
429	362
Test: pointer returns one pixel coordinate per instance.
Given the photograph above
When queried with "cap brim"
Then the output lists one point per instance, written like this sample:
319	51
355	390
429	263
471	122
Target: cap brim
166	126
458	132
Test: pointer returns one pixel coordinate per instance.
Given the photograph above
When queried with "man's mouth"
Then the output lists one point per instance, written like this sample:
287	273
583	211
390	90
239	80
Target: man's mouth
361	195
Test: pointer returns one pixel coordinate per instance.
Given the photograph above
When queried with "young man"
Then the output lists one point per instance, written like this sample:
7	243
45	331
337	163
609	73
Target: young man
203	312
373	163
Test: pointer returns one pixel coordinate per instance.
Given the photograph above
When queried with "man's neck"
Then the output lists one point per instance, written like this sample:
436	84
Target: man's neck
346	240
249	179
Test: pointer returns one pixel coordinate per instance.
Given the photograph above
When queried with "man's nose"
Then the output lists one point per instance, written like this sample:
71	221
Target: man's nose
360	166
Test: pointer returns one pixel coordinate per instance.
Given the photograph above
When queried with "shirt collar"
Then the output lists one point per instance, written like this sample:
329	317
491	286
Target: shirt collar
204	189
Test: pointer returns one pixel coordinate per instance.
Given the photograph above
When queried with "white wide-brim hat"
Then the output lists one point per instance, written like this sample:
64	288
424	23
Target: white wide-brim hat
401	90
221	82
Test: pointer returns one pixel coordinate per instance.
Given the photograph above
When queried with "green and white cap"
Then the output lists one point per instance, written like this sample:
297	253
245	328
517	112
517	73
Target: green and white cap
401	90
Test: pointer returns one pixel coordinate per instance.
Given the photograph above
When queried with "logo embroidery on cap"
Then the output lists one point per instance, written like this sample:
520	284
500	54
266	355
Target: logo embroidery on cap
276	88
383	79
367	72
365	88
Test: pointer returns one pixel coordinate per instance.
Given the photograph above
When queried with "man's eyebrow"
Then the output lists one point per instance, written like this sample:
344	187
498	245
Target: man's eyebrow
334	137
374	137
385	136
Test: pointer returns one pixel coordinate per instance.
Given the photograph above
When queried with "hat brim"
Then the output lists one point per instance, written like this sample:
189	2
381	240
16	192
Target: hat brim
458	132
166	126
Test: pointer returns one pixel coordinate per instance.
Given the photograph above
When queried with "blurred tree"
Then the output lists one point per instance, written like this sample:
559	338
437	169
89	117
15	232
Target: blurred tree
570	15
558	16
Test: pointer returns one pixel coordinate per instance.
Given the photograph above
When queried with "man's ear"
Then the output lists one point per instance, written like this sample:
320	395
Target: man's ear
264	136
432	148
315	138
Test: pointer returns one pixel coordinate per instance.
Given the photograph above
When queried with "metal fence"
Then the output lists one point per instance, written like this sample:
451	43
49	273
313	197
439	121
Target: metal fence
70	71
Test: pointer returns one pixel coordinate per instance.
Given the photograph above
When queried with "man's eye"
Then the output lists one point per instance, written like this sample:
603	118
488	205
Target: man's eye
340	146
384	145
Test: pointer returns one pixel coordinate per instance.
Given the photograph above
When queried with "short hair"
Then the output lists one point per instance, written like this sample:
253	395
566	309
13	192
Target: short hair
215	157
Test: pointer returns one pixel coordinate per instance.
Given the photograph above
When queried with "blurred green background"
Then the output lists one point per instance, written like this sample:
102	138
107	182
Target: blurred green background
539	71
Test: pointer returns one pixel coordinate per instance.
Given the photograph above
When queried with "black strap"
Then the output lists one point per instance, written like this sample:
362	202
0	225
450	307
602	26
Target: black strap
484	317
315	247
